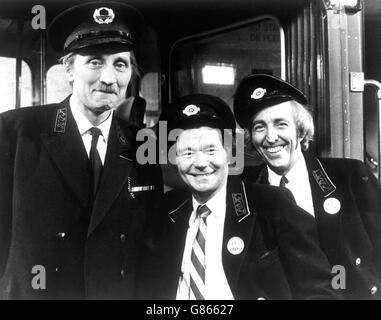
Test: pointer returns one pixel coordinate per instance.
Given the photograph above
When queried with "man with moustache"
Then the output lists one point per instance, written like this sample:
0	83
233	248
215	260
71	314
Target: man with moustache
224	239
341	195
74	202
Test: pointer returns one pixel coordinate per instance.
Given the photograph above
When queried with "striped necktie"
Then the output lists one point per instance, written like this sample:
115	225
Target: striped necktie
197	268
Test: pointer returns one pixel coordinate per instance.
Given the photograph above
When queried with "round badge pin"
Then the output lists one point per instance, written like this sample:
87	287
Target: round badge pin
332	205
235	245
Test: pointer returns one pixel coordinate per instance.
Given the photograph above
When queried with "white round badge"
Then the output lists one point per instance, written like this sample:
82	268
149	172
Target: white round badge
235	245
332	205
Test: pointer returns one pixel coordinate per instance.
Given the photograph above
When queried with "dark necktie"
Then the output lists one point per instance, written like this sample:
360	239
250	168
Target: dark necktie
95	159
197	269
283	181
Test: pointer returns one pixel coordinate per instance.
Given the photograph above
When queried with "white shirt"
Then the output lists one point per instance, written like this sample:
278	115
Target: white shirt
84	125
216	284
298	184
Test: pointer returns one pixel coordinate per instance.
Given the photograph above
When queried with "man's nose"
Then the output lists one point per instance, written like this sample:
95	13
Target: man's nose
108	75
200	160
272	134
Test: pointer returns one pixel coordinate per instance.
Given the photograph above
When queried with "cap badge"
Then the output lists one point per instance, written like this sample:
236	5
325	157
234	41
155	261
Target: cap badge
258	93
103	15
190	110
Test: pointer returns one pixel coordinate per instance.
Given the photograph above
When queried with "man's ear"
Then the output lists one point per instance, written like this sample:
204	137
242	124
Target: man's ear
69	73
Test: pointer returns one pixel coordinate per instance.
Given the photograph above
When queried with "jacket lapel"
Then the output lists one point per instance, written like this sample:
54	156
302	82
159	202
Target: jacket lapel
118	164
177	232
239	223
65	146
323	193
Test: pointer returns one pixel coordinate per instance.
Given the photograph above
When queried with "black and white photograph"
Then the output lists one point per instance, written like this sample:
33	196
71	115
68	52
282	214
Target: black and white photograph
178	151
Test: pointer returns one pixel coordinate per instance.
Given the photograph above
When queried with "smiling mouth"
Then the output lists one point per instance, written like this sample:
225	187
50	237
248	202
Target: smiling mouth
275	149
106	92
202	174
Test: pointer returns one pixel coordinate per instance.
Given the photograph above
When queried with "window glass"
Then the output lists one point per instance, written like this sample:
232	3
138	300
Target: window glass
8	84
216	61
57	85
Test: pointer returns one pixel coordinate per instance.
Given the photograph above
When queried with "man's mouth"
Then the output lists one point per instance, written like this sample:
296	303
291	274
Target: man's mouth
106	91
274	149
202	174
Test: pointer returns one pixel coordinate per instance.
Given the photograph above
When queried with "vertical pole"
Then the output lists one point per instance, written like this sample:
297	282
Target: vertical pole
42	67
20	26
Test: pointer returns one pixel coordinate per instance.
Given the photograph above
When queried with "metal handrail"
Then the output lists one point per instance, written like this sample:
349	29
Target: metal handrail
377	84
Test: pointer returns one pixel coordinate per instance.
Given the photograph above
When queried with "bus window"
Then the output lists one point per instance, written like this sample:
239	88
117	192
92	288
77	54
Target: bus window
57	85
149	89
8	84
216	61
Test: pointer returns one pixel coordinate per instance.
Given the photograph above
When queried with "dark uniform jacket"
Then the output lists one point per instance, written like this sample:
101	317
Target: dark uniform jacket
352	236
280	260
85	248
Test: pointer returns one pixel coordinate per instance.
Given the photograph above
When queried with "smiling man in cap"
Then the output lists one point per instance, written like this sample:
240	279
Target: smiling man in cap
224	239
341	195
74	202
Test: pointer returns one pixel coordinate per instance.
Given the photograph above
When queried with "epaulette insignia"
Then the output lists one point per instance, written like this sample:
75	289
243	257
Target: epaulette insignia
323	181
239	204
61	120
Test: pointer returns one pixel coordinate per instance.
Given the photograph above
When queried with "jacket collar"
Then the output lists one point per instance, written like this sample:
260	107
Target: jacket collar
238	226
64	144
324	193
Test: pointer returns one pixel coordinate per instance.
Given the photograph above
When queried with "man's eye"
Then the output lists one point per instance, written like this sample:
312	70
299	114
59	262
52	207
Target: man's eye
95	63
185	153
121	66
258	128
282	125
210	151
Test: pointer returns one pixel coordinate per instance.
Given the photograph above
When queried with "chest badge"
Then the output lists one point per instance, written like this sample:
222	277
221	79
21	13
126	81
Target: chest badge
235	245
332	205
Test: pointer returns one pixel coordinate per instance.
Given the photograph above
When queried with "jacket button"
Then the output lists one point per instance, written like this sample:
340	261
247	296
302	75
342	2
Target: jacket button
56	269
365	178
358	261
373	290
61	235
122	273
122	238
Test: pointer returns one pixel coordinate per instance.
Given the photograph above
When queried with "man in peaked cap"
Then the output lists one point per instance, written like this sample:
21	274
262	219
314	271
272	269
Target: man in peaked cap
74	202
224	239
341	195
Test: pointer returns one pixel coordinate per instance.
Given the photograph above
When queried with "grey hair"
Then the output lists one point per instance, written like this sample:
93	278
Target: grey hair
304	124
